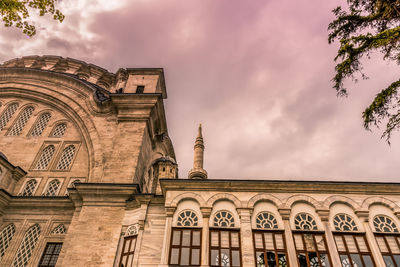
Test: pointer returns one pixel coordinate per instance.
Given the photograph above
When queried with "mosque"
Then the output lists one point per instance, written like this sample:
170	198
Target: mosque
88	177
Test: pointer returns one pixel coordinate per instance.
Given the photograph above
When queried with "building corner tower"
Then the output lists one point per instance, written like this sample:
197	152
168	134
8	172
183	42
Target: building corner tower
197	172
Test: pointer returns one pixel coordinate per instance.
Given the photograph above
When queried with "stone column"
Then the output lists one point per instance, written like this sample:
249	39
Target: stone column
291	250
324	215
246	237
167	236
206	212
373	245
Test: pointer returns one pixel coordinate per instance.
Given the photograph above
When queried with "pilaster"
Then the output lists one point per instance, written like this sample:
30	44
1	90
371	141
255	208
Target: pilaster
246	237
206	212
291	250
167	236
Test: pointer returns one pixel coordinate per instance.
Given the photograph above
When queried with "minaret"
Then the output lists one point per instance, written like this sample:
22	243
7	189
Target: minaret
198	172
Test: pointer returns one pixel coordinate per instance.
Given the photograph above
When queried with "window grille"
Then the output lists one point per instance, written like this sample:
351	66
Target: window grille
21	121
66	158
345	223
384	224
29	188
305	221
59	230
52	188
8	113
187	218
311	249
5	238
45	158
25	250
59	130
132	230
40	125
50	255
224	247
185	247
266	220
270	249
224	219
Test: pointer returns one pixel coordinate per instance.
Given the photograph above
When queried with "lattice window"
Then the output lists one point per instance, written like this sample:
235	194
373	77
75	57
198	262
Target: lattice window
5	238
40	125
29	188
24	252
66	158
59	230
6	116
304	221
52	188
187	218
132	230
59	130
22	120
345	223
50	255
224	219
73	184
384	224
266	220
45	158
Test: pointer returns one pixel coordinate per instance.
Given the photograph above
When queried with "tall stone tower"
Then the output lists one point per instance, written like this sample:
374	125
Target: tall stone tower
197	172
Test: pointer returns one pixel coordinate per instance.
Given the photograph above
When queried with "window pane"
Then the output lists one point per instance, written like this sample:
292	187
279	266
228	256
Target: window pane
174	256
196	256
339	243
388	261
214	239
127	244
325	260
381	243
269	242
312	256
282	260
260	259
133	244
351	245
225	239
234	239
185	256
258	240
176	240
397	259
271	259
361	243
368	261
279	241
356	259
130	261
320	242
345	260
186	238
309	240
196	238
235	258
299	242
214	257
302	260
225	260
392	244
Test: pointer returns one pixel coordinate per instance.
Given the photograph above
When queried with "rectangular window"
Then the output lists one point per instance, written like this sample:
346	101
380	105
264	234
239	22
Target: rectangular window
50	255
225	247
128	250
185	248
389	245
353	250
311	249
270	249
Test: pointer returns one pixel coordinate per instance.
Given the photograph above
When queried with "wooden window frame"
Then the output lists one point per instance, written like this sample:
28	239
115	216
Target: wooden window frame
51	254
305	251
219	230
130	251
389	253
171	246
264	250
348	253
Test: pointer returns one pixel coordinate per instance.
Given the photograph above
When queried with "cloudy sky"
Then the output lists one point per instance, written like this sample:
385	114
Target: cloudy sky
255	73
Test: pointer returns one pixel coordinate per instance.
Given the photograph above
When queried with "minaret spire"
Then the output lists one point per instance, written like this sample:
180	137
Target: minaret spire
198	172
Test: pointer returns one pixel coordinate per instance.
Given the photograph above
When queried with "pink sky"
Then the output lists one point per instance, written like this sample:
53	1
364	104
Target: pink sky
255	73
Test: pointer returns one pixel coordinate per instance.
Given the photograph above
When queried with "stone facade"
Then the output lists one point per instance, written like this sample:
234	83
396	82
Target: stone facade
87	166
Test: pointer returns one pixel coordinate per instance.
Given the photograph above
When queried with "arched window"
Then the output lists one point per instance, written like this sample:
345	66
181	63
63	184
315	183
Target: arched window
344	223
269	243
73	184
129	246
223	219
40	125
132	230
5	238
24	252
266	220
29	188
7	114
388	239
59	130
21	121
187	218
305	221
52	188
59	230
66	158
45	158
384	224
224	243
